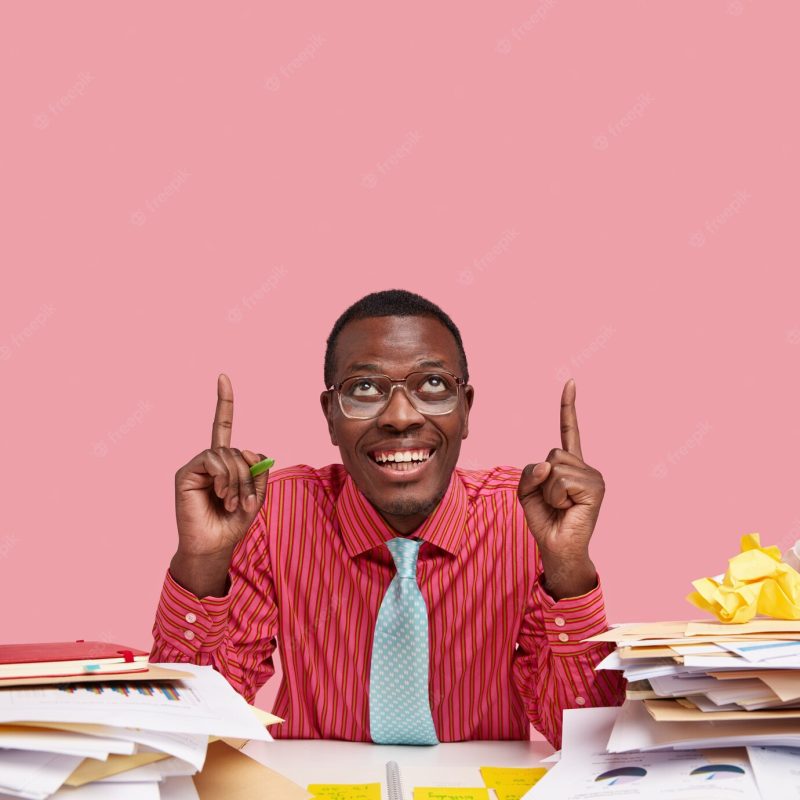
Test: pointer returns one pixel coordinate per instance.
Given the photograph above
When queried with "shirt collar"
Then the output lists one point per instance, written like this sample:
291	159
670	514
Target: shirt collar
363	528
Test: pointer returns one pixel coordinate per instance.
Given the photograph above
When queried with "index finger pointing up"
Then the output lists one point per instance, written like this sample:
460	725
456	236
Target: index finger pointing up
223	417
570	436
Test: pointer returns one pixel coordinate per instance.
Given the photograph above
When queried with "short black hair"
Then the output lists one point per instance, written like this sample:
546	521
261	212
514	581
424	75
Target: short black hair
391	303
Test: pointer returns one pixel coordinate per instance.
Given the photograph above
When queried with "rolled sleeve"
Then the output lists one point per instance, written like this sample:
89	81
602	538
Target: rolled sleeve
187	623
570	620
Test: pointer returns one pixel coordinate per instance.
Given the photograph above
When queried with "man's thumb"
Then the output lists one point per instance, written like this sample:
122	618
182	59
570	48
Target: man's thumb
259	481
537	475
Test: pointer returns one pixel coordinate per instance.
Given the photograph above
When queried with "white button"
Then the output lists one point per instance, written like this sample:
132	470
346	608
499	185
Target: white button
560	622
189	634
190	618
562	637
580	701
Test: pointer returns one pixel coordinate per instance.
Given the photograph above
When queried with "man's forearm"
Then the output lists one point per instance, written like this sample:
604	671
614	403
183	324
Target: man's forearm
203	576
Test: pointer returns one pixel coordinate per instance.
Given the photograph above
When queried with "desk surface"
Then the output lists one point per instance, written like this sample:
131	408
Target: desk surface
330	761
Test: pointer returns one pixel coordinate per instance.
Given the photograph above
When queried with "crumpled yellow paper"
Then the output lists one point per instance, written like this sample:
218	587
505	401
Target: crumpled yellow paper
757	582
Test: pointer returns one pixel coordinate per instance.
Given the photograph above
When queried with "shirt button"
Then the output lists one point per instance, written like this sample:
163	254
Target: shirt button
560	622
190	618
189	635
562	637
580	700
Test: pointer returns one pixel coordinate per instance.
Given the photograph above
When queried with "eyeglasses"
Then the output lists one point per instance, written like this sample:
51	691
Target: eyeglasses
366	396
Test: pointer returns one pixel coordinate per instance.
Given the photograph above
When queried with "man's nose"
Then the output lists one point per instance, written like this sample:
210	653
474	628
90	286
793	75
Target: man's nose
400	412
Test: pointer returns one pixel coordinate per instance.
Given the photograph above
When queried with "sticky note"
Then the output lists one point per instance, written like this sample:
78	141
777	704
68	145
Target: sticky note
509	792
507	777
454	793
346	791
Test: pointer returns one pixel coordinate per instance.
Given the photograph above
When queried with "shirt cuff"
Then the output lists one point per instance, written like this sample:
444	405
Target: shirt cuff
568	621
188	623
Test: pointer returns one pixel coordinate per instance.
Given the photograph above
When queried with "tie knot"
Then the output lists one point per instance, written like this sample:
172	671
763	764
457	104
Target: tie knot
405	552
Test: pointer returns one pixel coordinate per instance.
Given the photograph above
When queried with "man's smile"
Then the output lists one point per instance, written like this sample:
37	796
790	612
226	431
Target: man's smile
402	463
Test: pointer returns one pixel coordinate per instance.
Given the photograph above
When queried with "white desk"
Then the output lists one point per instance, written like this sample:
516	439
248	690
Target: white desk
330	761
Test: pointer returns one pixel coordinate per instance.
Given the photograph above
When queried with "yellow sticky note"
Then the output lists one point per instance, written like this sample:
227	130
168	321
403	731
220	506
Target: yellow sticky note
508	777
346	791
452	793
509	792
757	582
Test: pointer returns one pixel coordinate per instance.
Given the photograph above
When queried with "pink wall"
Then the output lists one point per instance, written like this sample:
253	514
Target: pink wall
608	191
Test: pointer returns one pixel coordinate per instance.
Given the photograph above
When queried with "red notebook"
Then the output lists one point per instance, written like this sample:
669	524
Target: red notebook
58	659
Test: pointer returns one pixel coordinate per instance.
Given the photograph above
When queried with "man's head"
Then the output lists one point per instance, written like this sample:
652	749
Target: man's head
395	333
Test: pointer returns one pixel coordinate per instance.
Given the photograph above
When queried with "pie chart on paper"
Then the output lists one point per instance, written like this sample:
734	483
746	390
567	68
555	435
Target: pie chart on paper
716	772
621	775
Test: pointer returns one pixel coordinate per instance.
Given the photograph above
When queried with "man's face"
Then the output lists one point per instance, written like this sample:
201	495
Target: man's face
395	346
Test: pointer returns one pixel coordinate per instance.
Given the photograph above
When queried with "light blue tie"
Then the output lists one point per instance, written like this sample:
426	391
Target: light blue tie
399	709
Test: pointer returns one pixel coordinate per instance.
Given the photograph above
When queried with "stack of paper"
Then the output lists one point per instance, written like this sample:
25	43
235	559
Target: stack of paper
586	769
146	735
708	684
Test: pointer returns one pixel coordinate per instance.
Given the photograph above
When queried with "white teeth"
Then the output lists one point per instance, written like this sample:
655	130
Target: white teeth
407	455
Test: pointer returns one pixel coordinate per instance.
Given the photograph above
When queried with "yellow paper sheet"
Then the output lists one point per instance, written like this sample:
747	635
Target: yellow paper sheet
640	690
783	683
511	776
92	769
670	711
231	775
757	582
773	627
150	674
648	630
346	791
451	793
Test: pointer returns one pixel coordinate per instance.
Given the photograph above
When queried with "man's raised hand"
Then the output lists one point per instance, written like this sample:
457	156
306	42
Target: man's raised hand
216	497
561	497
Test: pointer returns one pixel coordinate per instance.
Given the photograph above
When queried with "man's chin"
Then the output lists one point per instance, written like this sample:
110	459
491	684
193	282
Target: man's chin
407	506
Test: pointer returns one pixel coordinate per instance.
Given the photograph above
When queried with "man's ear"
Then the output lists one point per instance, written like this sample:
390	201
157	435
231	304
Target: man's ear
325	400
469	398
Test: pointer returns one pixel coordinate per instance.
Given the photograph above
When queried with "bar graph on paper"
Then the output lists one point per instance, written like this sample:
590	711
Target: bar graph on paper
131	695
158	690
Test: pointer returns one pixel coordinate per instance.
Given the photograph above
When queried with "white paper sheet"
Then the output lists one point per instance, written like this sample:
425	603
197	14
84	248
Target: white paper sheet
764	651
777	771
636	730
99	791
586	771
206	704
157	771
34	775
682	686
179	788
64	742
185	746
732	661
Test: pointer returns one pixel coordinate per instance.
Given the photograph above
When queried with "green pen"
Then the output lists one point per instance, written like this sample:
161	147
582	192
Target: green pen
261	466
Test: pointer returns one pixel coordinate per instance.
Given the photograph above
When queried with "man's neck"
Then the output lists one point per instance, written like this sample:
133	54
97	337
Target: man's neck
405	525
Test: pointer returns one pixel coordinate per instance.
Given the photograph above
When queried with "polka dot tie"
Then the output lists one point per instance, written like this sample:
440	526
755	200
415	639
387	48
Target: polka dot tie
399	709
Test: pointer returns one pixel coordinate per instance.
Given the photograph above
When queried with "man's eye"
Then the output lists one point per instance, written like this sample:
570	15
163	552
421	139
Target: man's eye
434	383
361	388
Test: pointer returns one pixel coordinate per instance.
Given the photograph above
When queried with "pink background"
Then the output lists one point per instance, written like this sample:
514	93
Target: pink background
601	190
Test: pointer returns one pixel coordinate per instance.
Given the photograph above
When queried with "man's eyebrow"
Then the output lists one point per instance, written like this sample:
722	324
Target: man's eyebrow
363	366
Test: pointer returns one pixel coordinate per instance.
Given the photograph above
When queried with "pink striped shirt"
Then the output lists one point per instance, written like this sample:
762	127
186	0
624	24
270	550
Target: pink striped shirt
311	573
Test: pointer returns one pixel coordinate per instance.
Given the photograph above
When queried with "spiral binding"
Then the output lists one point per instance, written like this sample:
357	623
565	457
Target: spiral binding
395	788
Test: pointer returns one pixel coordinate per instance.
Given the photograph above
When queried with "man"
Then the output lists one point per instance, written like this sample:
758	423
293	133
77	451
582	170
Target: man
411	601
